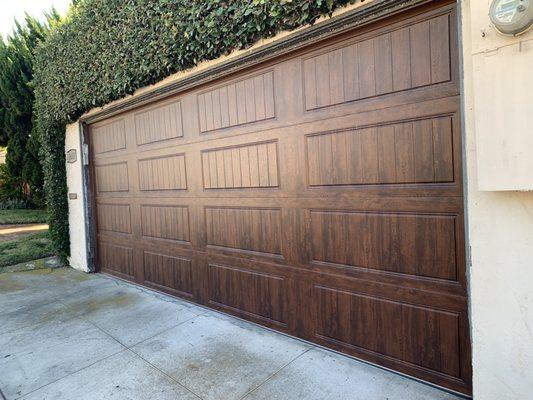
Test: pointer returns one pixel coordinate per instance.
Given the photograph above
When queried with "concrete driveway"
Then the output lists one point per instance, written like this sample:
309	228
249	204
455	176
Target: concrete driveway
69	335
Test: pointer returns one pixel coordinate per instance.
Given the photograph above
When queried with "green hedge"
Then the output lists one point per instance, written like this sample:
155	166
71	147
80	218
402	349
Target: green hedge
106	49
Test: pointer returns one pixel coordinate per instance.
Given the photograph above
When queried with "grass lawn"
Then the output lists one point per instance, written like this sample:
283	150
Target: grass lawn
26	248
22	216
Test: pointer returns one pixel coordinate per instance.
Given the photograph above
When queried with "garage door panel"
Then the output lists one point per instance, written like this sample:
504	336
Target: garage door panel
114	218
420	336
117	258
412	244
417	151
112	177
158	123
169	273
163	173
244	101
319	194
402	59
260	295
165	222
250	165
245	229
109	137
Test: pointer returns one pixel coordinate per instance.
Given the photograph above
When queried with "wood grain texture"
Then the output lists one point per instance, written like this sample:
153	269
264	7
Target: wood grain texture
248	229
114	218
112	178
242	102
406	58
415	244
319	194
163	173
405	152
174	273
165	222
240	167
109	137
118	259
229	288
159	123
416	335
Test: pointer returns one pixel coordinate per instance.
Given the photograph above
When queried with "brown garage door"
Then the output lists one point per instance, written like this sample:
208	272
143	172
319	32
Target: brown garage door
319	194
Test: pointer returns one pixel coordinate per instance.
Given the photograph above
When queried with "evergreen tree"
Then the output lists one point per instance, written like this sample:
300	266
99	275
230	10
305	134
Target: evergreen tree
24	172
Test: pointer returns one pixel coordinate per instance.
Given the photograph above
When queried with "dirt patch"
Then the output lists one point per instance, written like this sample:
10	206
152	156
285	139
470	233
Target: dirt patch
106	302
71	275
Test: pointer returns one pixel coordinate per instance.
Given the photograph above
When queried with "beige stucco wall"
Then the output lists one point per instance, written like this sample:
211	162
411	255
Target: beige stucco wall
504	104
76	207
500	224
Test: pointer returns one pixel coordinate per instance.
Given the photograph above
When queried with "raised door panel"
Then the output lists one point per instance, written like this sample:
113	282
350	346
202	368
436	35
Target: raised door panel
256	230
262	296
160	123
419	151
109	137
112	177
165	222
167	272
117	259
238	103
241	167
163	173
421	245
419	336
114	218
406	58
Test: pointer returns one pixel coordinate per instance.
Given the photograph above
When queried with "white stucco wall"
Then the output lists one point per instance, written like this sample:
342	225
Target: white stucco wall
500	223
76	207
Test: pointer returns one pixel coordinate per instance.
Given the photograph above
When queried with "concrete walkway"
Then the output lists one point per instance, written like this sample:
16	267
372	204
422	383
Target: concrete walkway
68	335
11	232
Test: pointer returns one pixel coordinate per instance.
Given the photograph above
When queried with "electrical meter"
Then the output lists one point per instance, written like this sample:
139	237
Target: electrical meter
511	17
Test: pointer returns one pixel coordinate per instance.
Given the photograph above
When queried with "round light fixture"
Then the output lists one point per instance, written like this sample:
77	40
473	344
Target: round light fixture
511	17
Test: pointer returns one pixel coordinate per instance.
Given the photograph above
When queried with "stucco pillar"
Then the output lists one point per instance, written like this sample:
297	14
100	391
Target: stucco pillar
499	217
76	201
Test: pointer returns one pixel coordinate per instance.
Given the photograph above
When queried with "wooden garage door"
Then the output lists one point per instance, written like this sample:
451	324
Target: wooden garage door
319	194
